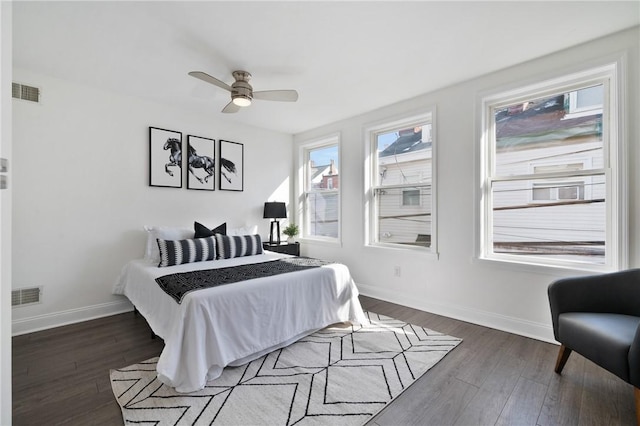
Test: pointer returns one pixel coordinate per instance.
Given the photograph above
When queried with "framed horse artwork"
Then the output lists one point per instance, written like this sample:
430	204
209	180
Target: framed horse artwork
231	170
201	163
165	158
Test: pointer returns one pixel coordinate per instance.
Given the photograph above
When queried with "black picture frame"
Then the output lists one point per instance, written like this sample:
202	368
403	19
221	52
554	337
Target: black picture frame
201	160
165	158
231	168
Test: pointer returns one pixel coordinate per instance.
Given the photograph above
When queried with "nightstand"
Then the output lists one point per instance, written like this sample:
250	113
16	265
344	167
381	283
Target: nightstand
286	248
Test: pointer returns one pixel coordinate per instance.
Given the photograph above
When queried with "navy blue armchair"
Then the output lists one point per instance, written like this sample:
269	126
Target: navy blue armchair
599	317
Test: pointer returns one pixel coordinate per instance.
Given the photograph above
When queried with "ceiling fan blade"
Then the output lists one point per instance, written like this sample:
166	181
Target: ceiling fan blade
276	95
212	80
231	108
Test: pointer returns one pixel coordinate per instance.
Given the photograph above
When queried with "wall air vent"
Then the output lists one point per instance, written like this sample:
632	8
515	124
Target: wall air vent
26	296
28	93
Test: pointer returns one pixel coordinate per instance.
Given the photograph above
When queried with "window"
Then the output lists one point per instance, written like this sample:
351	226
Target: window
550	174
560	190
583	102
400	183
411	197
321	189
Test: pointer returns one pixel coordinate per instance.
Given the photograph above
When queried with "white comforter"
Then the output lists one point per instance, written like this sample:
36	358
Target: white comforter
235	323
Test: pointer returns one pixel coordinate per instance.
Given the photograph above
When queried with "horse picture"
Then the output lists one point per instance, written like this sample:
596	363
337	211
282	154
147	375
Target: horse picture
175	157
229	169
201	167
165	158
200	162
231	166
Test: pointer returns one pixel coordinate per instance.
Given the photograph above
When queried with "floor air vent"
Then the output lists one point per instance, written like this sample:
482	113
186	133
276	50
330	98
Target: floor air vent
26	296
28	93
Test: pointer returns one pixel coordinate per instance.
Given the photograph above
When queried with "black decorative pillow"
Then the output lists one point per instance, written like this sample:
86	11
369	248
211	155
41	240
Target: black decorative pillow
202	231
177	252
237	246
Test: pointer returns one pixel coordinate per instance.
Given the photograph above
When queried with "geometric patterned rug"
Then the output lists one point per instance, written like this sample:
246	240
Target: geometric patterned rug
341	375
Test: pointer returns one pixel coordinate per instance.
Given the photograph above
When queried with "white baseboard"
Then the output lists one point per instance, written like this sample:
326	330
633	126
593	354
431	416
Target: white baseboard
534	330
71	316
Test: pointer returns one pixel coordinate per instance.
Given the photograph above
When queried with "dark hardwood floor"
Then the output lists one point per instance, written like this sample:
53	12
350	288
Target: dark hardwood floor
61	376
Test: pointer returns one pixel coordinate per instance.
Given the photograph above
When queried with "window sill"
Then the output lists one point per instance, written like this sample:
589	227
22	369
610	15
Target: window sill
408	250
320	242
559	271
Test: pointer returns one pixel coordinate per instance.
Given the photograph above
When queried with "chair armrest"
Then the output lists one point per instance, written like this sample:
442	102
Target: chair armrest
634	360
617	292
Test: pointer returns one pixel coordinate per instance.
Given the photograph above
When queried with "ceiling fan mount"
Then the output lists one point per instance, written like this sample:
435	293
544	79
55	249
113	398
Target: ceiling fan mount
242	93
241	90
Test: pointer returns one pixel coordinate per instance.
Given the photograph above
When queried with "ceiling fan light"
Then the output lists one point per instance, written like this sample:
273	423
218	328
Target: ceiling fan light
242	101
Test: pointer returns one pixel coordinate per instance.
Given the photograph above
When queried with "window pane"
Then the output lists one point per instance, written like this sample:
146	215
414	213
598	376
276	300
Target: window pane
404	156
541	193
589	98
411	197
561	228
323	208
322	192
399	223
545	127
571	192
323	168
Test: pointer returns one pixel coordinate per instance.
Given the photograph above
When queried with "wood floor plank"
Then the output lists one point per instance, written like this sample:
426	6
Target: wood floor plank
64	411
435	399
564	395
485	408
484	358
524	404
600	402
55	393
542	354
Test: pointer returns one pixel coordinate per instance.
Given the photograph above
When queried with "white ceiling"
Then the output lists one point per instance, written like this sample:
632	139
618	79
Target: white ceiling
344	58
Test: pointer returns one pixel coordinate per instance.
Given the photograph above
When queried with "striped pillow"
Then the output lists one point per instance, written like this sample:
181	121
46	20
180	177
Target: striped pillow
237	246
177	252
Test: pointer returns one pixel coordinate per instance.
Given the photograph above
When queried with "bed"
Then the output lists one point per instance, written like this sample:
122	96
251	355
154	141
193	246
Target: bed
232	324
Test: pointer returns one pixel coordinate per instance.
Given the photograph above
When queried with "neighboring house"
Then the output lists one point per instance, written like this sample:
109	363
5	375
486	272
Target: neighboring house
405	212
325	202
325	176
550	216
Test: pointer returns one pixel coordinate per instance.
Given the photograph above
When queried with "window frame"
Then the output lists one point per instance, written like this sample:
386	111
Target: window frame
303	174
614	168
371	130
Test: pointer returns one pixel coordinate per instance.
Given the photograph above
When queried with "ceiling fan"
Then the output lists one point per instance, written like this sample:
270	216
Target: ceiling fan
242	93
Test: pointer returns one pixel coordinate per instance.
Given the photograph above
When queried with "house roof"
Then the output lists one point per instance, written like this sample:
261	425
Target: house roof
317	171
405	143
544	121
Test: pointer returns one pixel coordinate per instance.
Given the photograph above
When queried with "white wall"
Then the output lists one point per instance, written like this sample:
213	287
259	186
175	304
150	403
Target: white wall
81	193
502	296
5	215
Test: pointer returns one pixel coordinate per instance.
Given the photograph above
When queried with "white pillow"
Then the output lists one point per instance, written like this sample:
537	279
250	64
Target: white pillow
152	253
244	230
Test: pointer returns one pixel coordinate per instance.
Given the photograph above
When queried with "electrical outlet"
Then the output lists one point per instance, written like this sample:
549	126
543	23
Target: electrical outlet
396	271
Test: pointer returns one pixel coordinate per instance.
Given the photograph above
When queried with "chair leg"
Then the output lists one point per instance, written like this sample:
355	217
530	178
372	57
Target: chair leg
563	356
636	394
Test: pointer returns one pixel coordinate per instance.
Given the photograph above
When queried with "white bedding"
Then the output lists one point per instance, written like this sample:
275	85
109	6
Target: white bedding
235	323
